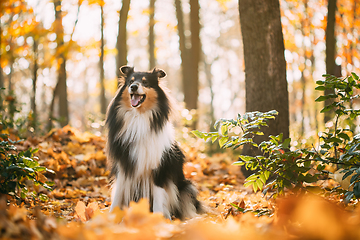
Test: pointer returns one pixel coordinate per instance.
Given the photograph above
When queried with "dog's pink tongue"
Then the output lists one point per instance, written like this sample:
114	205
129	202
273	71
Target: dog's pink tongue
135	99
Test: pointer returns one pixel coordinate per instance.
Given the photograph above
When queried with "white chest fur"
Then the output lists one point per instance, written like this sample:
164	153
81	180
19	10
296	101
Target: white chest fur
147	146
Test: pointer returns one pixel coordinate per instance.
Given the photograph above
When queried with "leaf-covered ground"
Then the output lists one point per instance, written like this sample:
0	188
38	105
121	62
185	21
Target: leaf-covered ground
78	207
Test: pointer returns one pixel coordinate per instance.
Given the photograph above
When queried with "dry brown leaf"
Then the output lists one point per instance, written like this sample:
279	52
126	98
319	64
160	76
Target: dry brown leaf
80	211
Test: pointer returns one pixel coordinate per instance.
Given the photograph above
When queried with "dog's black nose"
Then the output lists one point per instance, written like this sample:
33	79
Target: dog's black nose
134	87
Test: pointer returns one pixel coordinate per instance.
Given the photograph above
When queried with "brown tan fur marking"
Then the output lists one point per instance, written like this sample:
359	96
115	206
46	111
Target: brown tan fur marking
125	99
150	101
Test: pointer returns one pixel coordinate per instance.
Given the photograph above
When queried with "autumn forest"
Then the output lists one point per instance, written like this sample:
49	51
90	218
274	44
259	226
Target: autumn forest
267	106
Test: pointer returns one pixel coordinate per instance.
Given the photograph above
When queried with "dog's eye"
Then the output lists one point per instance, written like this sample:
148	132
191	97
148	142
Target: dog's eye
144	80
131	81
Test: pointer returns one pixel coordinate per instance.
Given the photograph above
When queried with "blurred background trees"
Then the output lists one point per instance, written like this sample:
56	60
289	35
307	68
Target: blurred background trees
60	58
121	43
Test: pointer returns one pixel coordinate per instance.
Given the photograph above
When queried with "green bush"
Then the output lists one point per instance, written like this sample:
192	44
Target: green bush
10	117
340	146
298	169
16	167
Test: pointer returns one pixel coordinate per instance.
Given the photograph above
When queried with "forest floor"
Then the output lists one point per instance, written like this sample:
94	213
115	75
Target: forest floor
78	207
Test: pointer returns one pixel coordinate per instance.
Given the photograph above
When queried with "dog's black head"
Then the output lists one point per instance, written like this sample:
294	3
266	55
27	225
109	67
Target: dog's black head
142	88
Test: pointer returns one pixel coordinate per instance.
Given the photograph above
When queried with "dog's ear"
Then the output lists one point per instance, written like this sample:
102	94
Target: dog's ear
159	72
126	70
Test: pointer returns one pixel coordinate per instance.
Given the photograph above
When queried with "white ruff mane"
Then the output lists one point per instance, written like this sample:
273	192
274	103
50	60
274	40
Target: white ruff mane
147	148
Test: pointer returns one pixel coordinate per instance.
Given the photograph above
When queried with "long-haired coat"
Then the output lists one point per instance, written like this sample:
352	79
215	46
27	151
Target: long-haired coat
143	155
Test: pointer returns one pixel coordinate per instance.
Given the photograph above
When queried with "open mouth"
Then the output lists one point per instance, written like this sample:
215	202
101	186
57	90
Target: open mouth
137	99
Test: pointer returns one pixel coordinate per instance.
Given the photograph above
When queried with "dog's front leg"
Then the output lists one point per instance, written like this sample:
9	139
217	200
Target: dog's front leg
160	201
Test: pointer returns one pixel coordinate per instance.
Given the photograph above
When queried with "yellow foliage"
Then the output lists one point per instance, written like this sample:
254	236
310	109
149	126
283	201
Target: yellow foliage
96	2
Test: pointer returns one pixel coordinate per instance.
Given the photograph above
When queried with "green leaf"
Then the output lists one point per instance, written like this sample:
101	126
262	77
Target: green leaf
239	163
237	207
30	162
214	137
39	169
30	170
246	158
348	197
353	115
335	140
273	112
224	129
252	177
47	187
266	174
34	150
356	77
50	183
222	141
246	184
344	136
259	184
326	108
263	178
197	133
258	133
320	167
43	197
13	167
321	98
255	186
286	143
23	195
320	88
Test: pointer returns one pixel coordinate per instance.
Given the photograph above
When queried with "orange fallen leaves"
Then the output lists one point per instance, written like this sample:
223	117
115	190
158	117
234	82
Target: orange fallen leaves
84	213
312	217
308	217
79	204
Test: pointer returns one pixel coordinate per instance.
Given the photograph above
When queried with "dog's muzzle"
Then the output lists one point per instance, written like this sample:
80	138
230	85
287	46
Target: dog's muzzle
136	97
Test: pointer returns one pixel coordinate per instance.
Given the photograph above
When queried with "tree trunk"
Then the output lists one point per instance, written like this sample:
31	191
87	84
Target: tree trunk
52	104
12	60
1	76
1	84
103	104
34	80
330	42
152	59
207	68
190	57
265	66
61	92
192	84
353	27
121	45
1	70
184	52
304	23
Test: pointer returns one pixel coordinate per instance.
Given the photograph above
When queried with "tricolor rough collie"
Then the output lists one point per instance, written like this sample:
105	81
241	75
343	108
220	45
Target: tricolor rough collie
143	155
